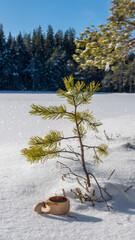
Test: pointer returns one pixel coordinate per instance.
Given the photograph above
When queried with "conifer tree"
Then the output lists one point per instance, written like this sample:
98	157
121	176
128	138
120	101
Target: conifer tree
68	42
58	39
111	43
38	60
29	68
22	58
41	149
8	69
2	57
129	76
107	82
117	79
122	79
28	42
71	42
49	42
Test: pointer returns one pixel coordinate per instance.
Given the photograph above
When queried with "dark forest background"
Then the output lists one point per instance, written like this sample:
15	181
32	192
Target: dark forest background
39	62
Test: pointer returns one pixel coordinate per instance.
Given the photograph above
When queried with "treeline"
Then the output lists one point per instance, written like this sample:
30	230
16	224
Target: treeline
122	79
39	62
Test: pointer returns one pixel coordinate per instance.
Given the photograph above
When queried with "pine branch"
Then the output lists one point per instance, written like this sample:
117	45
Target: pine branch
102	147
48	141
36	153
101	150
88	93
87	117
51	112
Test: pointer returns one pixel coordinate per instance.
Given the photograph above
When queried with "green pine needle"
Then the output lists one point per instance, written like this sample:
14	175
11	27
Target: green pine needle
51	112
51	139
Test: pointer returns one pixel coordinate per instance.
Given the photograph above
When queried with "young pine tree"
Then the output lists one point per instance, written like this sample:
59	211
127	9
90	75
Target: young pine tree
48	147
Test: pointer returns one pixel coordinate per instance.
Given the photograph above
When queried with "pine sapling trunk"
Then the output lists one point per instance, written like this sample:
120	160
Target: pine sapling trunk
82	149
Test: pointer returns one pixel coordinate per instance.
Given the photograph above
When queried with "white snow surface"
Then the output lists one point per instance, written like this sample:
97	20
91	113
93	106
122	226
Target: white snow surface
23	184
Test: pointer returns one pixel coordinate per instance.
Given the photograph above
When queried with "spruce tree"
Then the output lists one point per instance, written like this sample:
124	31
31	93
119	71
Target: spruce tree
58	39
41	149
118	76
2	58
49	42
129	76
107	85
38	60
22	58
8	68
29	69
66	42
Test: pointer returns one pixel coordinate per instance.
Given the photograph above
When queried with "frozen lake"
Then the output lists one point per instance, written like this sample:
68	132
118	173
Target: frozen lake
23	184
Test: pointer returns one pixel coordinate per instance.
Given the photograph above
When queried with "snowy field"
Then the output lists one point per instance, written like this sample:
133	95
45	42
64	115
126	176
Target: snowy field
23	184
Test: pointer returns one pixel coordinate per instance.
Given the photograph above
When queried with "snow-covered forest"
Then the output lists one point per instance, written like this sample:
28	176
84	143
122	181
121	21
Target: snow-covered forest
39	62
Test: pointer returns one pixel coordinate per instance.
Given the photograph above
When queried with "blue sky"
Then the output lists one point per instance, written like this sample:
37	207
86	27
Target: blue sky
26	15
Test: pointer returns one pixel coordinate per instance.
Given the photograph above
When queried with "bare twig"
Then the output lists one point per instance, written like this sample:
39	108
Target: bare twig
77	194
84	187
64	193
107	137
98	137
67	138
76	160
65	151
104	189
128	188
72	150
100	189
111	174
71	172
92	147
90	199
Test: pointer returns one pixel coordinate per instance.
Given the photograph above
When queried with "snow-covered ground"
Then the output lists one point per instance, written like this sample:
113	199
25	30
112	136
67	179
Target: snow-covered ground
23	184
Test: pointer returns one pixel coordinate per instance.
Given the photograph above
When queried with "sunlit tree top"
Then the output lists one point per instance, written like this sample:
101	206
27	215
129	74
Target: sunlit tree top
110	43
